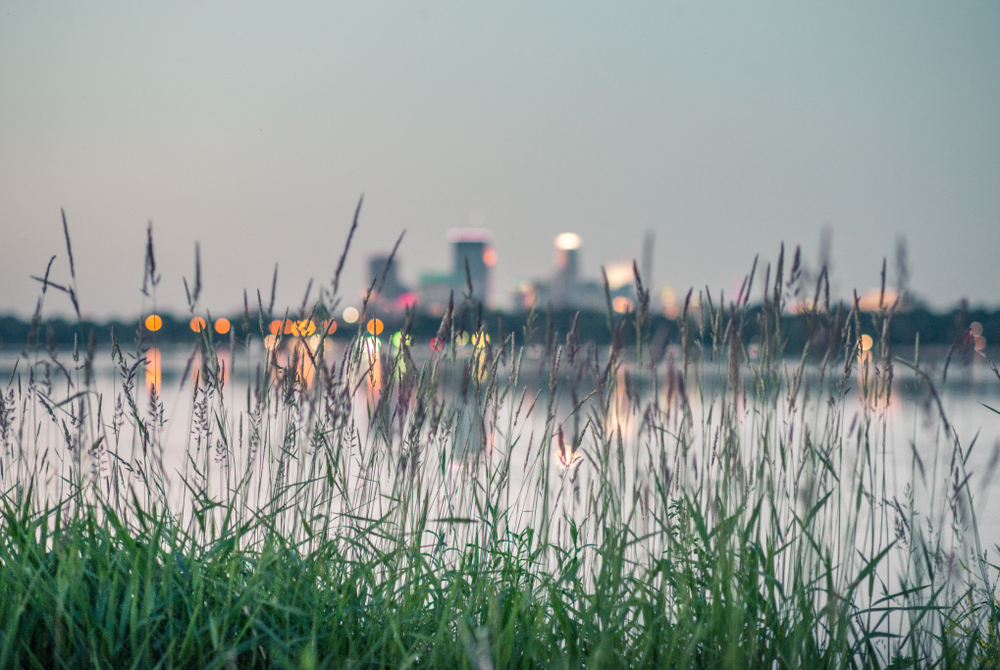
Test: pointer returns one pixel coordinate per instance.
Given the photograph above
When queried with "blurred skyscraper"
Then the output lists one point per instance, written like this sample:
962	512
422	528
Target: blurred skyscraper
388	292
383	274
471	250
565	283
472	258
565	290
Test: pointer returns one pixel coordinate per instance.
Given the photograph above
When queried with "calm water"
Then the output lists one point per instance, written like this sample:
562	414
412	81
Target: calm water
911	418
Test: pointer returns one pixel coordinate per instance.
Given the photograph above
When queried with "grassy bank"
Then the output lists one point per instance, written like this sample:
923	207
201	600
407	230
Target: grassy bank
531	502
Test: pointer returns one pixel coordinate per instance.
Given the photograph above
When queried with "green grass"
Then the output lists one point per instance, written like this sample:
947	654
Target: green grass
725	510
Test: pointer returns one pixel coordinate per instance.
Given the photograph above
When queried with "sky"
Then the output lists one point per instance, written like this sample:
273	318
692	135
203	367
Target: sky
726	128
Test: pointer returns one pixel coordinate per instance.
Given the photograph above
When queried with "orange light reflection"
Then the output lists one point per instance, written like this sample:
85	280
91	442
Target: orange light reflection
153	370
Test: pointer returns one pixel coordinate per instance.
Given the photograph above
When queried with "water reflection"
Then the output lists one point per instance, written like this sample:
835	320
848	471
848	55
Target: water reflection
637	398
372	357
568	455
154	370
294	359
619	416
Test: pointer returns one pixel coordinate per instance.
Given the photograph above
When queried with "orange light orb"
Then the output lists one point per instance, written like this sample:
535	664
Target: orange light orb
490	257
375	326
330	327
866	342
275	326
304	328
222	326
198	324
153	322
622	305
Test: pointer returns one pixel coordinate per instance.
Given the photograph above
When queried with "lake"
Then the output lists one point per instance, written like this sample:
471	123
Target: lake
916	447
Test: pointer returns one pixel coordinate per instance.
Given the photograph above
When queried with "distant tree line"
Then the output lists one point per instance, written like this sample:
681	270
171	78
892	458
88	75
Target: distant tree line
542	327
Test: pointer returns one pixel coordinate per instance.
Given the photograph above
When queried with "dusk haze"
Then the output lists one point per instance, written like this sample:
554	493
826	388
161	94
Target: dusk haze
500	335
724	128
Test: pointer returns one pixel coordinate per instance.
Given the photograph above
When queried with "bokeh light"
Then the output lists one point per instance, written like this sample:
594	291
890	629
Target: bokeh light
397	339
153	322
275	327
621	304
222	326
619	274
436	344
405	300
329	327
490	257
375	326
802	306
351	315
480	340
198	324
568	241
976	328
303	328
866	342
567	458
566	455
668	298
875	299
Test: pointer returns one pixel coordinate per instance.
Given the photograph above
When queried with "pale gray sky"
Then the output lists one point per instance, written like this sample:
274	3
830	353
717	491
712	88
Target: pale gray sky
726	127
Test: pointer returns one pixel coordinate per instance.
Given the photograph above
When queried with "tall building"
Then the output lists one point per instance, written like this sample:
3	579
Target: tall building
562	290
379	266
470	253
565	290
389	294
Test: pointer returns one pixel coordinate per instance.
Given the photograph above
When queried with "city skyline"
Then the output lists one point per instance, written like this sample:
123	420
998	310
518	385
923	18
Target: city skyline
550	285
725	129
